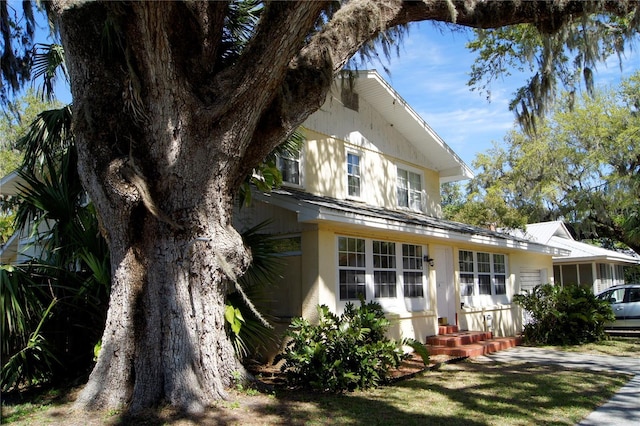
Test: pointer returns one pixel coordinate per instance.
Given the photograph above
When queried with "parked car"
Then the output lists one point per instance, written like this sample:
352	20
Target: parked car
625	302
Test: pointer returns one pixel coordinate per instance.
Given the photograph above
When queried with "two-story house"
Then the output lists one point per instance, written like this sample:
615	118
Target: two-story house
359	214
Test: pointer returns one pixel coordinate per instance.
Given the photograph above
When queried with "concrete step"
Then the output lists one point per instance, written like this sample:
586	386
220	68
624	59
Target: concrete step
459	338
469	344
447	329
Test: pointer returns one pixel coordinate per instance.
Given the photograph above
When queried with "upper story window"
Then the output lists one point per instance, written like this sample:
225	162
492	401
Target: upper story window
409	189
482	273
353	174
289	166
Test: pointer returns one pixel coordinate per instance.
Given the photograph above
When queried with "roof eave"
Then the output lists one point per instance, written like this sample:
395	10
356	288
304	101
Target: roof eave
311	213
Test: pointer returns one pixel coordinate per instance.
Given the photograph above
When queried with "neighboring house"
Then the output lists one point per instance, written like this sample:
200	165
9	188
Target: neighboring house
587	265
23	245
359	214
15	249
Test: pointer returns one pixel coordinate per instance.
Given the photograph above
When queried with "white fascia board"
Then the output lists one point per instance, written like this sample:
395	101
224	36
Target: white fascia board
597	259
417	131
312	215
456	174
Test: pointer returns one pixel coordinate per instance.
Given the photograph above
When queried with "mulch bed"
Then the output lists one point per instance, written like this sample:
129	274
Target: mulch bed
270	375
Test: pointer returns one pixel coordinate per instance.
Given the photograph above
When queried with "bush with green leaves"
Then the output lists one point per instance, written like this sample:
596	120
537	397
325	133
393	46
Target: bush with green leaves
569	315
345	352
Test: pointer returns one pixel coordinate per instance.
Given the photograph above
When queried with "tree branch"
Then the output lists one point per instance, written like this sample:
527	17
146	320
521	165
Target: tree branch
280	35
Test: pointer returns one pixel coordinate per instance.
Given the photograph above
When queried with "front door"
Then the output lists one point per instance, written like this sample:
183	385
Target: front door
443	264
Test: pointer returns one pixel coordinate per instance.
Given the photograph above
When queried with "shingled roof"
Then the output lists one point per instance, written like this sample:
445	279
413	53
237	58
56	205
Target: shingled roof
312	208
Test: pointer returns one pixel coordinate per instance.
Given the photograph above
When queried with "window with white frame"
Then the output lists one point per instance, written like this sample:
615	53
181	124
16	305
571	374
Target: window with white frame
482	273
413	270
351	268
466	273
499	274
353	174
381	270
289	166
409	189
384	269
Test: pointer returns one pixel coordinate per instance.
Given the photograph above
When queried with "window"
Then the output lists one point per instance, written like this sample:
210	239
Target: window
482	273
613	296
409	189
289	165
412	275
383	270
353	174
500	274
286	246
351	265
466	273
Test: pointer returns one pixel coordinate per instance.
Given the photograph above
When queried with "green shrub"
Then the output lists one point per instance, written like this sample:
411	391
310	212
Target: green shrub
568	315
345	352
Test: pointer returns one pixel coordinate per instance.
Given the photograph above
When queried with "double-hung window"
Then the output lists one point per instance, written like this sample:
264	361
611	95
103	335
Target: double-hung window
289	166
482	273
499	274
467	273
384	269
409	189
354	177
352	268
413	270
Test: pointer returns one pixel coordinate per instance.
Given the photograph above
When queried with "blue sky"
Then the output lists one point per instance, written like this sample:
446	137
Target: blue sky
431	74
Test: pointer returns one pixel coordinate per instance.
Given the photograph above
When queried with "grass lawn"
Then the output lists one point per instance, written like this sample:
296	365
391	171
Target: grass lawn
618	346
466	393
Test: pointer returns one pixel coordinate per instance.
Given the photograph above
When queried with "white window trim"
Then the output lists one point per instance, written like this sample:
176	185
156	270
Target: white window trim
423	195
392	304
477	299
359	153
300	170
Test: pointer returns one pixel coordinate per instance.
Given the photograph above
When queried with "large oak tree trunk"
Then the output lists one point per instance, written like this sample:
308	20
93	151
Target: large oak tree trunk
155	163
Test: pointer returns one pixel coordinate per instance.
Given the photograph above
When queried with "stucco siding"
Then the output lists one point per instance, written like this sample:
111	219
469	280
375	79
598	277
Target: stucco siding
337	130
325	173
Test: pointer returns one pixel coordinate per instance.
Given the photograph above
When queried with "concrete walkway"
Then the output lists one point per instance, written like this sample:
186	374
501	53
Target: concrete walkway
621	410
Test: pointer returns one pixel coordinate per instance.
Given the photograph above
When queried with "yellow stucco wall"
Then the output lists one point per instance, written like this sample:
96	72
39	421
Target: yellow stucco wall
325	173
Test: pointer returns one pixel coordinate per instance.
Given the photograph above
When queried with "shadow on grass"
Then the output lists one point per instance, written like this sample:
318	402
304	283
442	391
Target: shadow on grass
469	393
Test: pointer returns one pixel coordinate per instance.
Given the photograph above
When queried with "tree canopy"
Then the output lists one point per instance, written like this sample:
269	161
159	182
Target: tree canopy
582	166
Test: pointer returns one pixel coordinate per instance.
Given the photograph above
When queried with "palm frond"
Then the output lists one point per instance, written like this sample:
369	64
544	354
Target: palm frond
48	60
19	303
49	136
240	22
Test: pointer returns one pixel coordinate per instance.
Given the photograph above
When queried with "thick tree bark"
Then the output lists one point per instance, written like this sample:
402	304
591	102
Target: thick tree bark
165	133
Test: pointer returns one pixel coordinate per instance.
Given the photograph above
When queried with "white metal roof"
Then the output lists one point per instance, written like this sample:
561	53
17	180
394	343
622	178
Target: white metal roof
10	184
556	234
543	231
382	97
